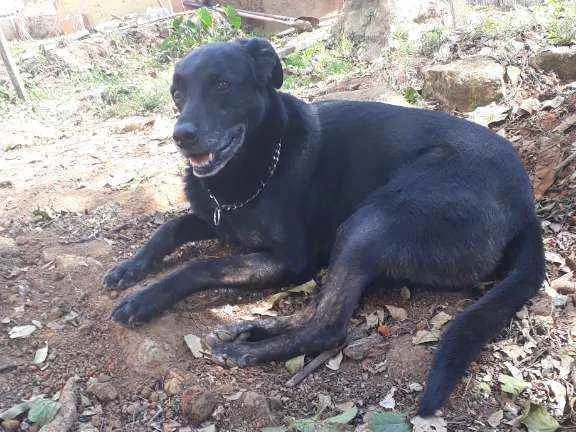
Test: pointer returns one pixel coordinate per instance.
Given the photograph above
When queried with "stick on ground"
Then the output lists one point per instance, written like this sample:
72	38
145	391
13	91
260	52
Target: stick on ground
314	364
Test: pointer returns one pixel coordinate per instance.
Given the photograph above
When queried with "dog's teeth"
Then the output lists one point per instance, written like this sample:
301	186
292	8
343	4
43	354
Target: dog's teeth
211	157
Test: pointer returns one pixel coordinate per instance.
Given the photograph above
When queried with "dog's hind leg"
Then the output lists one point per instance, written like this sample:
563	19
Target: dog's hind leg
353	266
166	239
466	336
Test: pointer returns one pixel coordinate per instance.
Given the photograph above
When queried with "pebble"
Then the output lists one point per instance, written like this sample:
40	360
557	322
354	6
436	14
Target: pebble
10	425
104	391
196	406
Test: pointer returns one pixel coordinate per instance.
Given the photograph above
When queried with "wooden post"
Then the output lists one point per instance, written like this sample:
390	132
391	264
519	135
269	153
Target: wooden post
11	67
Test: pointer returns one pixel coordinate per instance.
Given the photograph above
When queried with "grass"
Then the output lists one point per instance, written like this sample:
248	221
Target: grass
432	40
318	62
559	21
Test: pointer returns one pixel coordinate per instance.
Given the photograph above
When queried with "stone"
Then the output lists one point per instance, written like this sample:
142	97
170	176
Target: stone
465	84
560	60
103	391
7	246
366	21
359	349
11	425
198	406
257	404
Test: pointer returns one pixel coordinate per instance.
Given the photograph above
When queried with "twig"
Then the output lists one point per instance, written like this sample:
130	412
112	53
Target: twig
565	163
65	420
313	365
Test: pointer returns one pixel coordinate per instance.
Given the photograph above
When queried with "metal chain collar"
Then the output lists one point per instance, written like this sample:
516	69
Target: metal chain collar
217	217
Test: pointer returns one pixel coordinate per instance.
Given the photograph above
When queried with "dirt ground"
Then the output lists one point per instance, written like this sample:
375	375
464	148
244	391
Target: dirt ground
79	194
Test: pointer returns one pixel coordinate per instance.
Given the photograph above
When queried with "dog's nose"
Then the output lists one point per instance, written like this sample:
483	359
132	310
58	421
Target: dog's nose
185	135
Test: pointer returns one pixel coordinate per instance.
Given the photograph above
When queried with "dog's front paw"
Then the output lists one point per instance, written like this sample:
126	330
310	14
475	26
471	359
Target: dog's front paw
232	354
137	309
126	274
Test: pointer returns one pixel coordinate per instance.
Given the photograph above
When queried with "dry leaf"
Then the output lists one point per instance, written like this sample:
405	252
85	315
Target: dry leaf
425	336
439	320
334	362
195	345
295	364
388	402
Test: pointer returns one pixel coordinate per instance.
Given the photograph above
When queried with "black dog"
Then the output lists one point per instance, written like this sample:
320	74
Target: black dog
367	189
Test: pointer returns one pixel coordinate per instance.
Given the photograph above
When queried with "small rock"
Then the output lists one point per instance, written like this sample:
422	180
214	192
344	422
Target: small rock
87	427
359	349
560	60
134	409
173	385
113	294
11	425
256	404
415	387
7	246
103	391
198	407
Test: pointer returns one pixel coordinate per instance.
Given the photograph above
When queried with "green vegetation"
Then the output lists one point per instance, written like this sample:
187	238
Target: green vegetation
203	27
560	21
318	62
432	40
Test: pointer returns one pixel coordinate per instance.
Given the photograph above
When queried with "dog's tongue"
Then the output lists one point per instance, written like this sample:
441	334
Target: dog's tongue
200	159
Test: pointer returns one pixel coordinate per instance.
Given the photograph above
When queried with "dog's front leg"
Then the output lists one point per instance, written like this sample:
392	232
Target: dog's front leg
166	239
244	271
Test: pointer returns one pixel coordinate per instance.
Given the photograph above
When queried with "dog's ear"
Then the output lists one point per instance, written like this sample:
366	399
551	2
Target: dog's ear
268	64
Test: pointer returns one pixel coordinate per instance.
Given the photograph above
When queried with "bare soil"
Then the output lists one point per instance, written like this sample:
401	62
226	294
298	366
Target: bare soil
78	195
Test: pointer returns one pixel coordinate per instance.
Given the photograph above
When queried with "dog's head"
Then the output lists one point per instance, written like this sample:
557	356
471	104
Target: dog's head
221	91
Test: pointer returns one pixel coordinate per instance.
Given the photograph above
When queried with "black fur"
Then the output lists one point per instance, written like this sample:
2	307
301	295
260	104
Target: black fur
367	189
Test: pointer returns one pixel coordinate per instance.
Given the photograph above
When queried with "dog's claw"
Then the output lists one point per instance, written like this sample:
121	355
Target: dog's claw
126	274
135	309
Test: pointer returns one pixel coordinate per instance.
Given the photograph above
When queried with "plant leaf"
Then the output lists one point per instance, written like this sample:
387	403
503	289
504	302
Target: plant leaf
22	331
304	425
306	288
233	18
295	364
274	429
388	422
205	17
15	411
334	362
512	385
429	424
537	419
343	418
195	345
42	411
41	354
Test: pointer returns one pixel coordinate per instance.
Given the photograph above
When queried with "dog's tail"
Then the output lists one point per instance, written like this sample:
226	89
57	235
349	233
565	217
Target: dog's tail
464	339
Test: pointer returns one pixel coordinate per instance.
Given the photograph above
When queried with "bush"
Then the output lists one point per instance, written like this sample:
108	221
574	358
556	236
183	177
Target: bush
203	27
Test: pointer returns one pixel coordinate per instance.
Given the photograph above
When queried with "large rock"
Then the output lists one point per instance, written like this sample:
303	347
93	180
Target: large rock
465	84
366	21
560	60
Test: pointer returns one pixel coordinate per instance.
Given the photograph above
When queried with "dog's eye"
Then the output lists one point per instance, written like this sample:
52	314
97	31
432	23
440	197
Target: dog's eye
222	85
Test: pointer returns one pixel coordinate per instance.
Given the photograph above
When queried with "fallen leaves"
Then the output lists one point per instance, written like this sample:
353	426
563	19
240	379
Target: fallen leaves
496	418
21	331
41	355
194	343
537	419
334	362
388	422
432	335
295	364
388	402
514	386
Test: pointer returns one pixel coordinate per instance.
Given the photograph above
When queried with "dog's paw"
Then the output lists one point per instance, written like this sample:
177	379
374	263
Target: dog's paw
232	354
136	309
126	274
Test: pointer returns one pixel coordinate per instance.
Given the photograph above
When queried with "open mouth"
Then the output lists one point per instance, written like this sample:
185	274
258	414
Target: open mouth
209	164
198	161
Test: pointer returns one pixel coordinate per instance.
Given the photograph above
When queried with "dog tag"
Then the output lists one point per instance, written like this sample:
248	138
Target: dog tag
217	216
